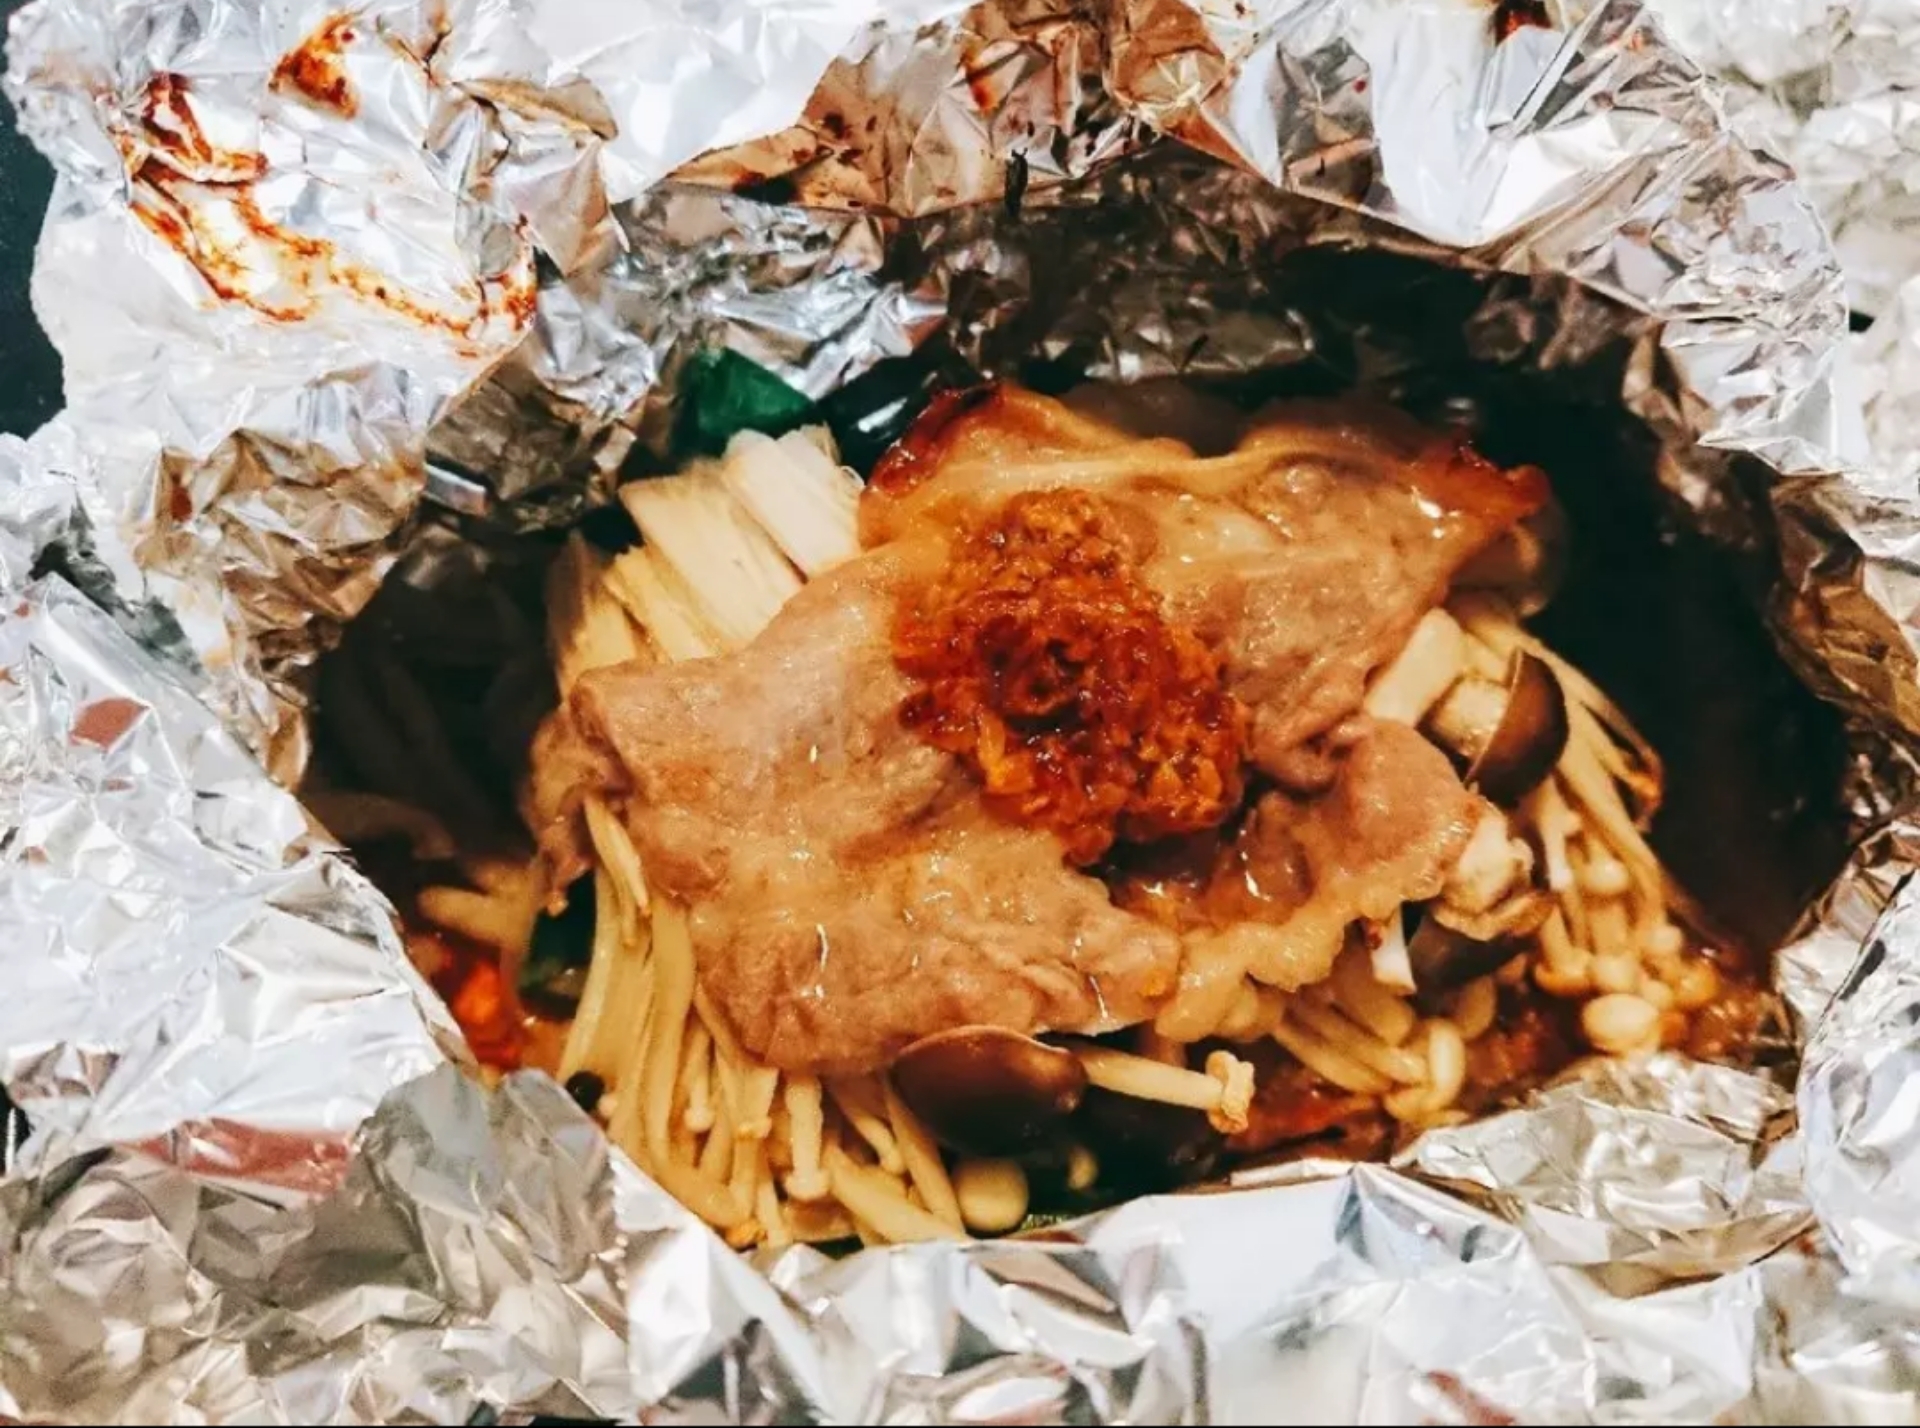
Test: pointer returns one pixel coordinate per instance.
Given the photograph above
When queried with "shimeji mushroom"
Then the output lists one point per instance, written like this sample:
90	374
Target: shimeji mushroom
987	1091
1510	734
1507	733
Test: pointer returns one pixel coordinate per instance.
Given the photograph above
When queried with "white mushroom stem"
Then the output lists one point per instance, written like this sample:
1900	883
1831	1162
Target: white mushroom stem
1421	673
922	1157
1224	1090
1392	968
1491	865
1556	824
992	1195
1364	996
1128	1075
698	1079
804	1113
1329	1061
875	1197
868	1119
1396	1063
1465	718
1236	1092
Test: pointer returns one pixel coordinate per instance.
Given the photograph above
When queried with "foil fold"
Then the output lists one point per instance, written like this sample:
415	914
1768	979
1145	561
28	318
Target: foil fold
1830	88
186	951
339	284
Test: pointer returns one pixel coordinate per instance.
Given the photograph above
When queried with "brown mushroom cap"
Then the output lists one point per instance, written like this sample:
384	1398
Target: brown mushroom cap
1528	739
1443	958
1451	947
1147	1146
984	1090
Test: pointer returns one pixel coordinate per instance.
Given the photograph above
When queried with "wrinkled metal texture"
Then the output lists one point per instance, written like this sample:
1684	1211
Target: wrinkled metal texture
322	277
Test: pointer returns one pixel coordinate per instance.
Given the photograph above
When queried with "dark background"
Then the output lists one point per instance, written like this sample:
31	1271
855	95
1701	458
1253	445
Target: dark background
29	370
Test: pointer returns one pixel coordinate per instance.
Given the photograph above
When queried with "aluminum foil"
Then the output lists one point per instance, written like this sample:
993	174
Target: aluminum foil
325	276
1834	88
1887	355
320	221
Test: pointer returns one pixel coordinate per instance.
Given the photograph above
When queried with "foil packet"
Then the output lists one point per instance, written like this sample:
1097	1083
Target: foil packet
336	286
1830	88
1835	90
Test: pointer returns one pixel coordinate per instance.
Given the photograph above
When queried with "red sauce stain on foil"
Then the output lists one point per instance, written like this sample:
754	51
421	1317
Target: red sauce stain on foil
317	67
200	200
176	142
179	500
1511	16
105	722
1470	1406
312	1162
292	1160
982	83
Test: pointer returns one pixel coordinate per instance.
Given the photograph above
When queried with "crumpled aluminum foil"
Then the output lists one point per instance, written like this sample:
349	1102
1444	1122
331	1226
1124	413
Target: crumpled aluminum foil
254	1179
1887	355
1833	87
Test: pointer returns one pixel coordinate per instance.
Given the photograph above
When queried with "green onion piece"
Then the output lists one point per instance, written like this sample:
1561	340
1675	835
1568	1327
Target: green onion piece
724	393
555	969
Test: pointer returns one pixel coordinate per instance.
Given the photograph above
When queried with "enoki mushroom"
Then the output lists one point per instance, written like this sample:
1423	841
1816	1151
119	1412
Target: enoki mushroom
768	1158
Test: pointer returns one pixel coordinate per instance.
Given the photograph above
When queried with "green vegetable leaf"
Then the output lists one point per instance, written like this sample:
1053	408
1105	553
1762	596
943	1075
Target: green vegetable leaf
725	393
555	971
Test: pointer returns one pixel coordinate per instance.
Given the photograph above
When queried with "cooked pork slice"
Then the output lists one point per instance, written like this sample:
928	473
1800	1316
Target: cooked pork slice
878	812
1303	558
565	769
1387	832
964	919
1276	899
848	891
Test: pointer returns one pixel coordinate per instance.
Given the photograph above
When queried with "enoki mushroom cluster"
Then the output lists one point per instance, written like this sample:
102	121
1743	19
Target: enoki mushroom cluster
1555	899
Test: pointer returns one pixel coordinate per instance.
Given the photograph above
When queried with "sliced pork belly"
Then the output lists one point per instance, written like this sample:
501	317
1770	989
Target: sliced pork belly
857	879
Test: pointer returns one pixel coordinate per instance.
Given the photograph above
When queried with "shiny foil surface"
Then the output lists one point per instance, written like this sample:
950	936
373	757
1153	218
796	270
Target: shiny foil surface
331	282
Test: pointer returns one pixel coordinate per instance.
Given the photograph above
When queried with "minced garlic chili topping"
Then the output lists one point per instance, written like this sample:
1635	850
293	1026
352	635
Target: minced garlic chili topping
1050	669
